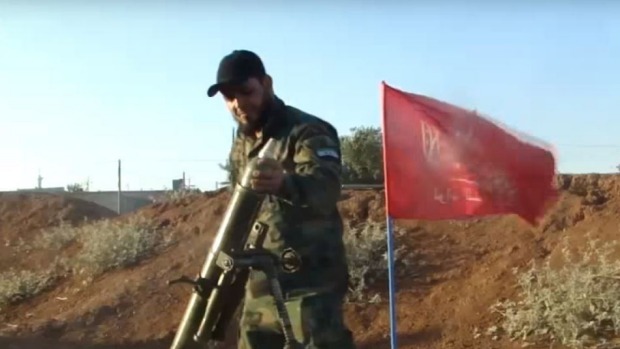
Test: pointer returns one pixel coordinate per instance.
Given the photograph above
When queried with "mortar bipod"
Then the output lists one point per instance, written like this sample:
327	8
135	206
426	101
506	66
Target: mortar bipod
260	259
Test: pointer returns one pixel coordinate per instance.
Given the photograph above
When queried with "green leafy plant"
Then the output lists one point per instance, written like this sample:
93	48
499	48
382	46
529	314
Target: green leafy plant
577	304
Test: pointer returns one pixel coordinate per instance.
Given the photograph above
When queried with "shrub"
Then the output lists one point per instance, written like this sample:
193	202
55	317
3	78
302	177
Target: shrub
105	244
366	246
56	237
176	196
101	246
19	285
110	244
577	304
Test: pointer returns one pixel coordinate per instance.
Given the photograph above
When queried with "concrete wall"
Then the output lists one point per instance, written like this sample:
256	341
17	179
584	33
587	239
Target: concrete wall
130	200
133	200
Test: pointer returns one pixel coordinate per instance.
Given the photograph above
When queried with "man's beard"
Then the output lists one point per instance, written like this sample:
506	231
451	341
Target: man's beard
251	127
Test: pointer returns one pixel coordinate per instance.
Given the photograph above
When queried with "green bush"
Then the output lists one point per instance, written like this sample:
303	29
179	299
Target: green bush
362	156
577	304
101	246
110	244
366	247
17	285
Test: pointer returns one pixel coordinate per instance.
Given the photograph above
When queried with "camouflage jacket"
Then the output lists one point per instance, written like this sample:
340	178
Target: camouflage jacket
304	216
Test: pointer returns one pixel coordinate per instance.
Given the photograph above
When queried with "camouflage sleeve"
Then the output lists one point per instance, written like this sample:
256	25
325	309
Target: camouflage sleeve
316	182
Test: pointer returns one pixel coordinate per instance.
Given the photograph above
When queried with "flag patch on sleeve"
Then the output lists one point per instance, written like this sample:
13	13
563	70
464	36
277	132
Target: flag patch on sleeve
326	152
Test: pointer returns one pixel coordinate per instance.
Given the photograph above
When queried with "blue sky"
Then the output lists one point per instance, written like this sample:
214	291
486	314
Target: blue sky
84	85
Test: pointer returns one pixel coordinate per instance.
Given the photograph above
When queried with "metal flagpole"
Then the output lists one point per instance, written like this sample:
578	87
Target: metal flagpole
392	281
390	226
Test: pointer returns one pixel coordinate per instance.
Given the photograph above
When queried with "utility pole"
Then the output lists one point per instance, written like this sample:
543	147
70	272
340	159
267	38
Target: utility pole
39	181
183	185
119	188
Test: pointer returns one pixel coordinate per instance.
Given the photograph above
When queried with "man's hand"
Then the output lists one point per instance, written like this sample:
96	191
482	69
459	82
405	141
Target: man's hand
268	176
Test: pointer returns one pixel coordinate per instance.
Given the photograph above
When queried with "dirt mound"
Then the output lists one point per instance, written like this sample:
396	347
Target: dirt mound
24	215
458	270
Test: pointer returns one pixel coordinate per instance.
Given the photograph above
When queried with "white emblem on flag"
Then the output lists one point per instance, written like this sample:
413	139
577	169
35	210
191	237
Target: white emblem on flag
430	142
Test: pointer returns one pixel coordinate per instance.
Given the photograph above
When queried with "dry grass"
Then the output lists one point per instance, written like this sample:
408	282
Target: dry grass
176	196
577	304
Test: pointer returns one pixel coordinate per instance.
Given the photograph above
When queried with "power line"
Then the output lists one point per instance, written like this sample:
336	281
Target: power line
137	160
612	146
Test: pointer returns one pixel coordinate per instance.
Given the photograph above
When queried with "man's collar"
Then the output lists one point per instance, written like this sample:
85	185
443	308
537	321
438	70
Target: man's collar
276	119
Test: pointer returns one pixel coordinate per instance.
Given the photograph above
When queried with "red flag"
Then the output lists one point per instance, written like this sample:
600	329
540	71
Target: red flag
445	162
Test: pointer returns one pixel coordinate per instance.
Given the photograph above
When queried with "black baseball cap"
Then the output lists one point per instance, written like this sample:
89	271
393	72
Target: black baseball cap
235	68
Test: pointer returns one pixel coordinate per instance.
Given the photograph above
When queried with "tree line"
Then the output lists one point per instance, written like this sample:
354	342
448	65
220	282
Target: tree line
362	157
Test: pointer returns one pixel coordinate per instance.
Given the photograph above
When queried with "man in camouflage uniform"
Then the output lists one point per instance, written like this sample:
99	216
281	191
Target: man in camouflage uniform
303	187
